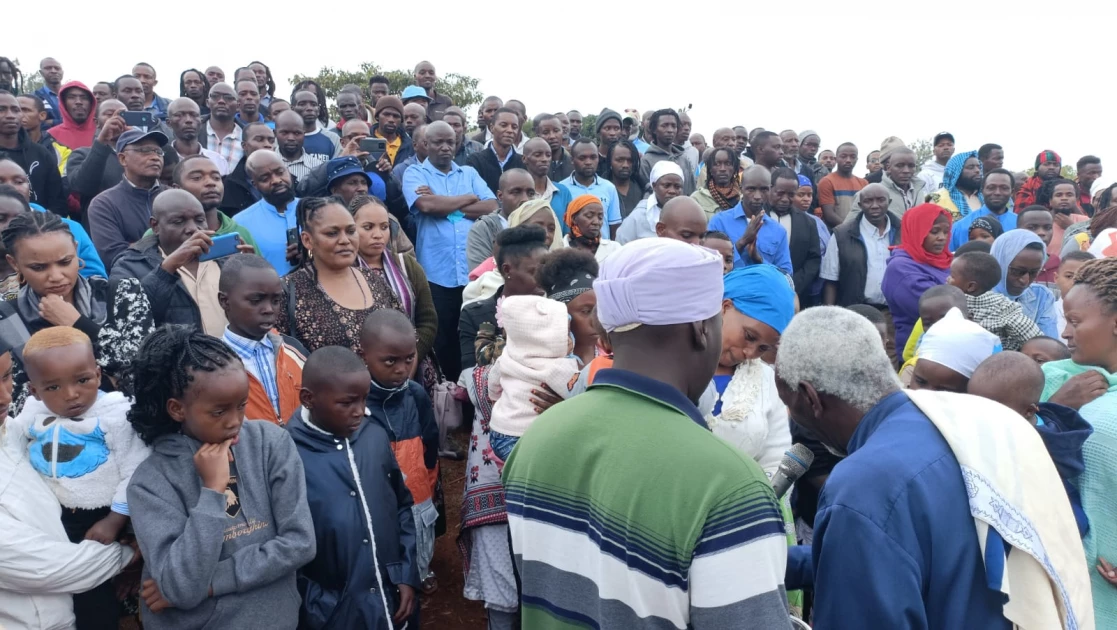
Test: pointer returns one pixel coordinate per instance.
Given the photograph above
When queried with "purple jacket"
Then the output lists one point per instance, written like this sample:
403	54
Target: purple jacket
904	282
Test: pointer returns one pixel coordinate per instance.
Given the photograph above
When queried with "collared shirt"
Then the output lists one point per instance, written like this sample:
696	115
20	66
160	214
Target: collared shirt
440	242
876	259
392	147
229	146
217	159
771	240
702	539
301	166
269	229
259	360
203	288
490	147
960	232
604	190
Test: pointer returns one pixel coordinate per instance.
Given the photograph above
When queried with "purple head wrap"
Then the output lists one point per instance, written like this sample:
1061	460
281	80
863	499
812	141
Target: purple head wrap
658	282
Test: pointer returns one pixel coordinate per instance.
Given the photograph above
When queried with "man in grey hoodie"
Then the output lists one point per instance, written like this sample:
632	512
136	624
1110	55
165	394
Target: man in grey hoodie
663	127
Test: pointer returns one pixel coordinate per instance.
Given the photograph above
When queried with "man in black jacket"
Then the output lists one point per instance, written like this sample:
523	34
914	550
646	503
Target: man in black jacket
239	191
802	232
37	161
858	252
499	154
181	289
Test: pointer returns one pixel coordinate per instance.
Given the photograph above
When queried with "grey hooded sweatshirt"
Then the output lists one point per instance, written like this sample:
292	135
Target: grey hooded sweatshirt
245	544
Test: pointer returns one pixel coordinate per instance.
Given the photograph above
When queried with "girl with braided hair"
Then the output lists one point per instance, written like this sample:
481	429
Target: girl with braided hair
219	508
115	315
1088	382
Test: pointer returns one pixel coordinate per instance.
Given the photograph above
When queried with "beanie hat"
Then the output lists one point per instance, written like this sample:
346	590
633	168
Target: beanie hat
1048	156
390	102
890	144
607	114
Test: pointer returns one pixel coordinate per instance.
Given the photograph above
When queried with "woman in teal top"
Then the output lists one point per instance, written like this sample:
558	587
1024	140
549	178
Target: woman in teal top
1088	382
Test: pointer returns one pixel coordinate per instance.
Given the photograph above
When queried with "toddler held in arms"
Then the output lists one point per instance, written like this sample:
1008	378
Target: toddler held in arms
537	350
79	440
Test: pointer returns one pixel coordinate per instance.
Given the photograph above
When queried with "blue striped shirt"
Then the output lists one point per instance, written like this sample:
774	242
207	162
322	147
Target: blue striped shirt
259	360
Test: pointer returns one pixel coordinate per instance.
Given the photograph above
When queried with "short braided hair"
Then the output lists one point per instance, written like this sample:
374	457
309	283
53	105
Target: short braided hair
163	369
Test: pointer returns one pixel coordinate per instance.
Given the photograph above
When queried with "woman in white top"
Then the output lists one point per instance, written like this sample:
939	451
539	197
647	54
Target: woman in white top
584	216
748	413
667	183
758	304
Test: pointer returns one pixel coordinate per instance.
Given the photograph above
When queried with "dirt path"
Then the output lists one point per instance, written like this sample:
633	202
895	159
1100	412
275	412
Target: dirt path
447	609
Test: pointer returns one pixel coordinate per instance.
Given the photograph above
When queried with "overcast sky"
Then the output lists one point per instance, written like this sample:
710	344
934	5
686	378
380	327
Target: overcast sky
1027	75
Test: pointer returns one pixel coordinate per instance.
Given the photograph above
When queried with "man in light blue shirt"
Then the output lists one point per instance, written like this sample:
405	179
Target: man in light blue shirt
770	237
584	181
445	199
271	217
996	189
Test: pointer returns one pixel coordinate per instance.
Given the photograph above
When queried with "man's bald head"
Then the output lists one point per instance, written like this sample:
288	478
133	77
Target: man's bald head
724	138
109	103
683	220
173	199
263	160
756	174
182	105
353	127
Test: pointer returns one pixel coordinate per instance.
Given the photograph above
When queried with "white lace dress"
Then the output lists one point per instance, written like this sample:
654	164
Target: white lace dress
752	416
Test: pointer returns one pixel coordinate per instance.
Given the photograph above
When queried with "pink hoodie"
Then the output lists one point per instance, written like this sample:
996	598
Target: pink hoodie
70	134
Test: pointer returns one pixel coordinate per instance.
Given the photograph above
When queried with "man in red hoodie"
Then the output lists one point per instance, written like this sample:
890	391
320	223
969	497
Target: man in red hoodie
78	122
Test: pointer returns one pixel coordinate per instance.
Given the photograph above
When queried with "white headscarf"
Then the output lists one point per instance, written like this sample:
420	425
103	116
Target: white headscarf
957	343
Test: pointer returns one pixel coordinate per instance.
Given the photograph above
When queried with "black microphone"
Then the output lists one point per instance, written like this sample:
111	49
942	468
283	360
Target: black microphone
796	460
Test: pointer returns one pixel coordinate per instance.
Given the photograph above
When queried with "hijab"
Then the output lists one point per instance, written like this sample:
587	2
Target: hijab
1008	246
528	210
763	293
577	205
950	177
914	228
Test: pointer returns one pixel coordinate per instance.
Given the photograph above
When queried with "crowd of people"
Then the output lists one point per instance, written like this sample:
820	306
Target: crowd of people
235	335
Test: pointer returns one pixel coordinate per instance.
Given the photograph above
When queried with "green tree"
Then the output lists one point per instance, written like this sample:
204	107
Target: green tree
924	151
589	126
462	88
31	82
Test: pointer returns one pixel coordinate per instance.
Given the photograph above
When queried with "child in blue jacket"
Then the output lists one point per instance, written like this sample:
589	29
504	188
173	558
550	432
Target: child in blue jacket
365	572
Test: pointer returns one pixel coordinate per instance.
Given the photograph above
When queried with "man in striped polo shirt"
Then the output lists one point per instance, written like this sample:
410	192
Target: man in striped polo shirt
624	510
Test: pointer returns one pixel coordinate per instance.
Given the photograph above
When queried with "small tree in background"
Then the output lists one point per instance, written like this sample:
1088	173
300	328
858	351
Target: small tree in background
924	151
462	88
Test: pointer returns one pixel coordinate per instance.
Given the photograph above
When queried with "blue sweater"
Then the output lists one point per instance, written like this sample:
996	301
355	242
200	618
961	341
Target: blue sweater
894	541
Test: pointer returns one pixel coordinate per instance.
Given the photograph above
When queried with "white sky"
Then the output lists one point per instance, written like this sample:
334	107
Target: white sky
1027	75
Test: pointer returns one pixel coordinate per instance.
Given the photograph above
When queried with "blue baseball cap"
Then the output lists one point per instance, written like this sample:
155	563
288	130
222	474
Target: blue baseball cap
414	91
132	136
342	167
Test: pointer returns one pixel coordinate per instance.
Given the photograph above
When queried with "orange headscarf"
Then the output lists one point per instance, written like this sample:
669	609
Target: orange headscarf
574	207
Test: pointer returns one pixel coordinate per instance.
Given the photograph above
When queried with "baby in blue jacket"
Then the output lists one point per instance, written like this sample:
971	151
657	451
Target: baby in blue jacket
1016	381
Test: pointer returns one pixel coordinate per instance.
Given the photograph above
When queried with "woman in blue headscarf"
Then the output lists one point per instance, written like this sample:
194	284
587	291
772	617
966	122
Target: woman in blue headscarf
961	185
758	303
1021	255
